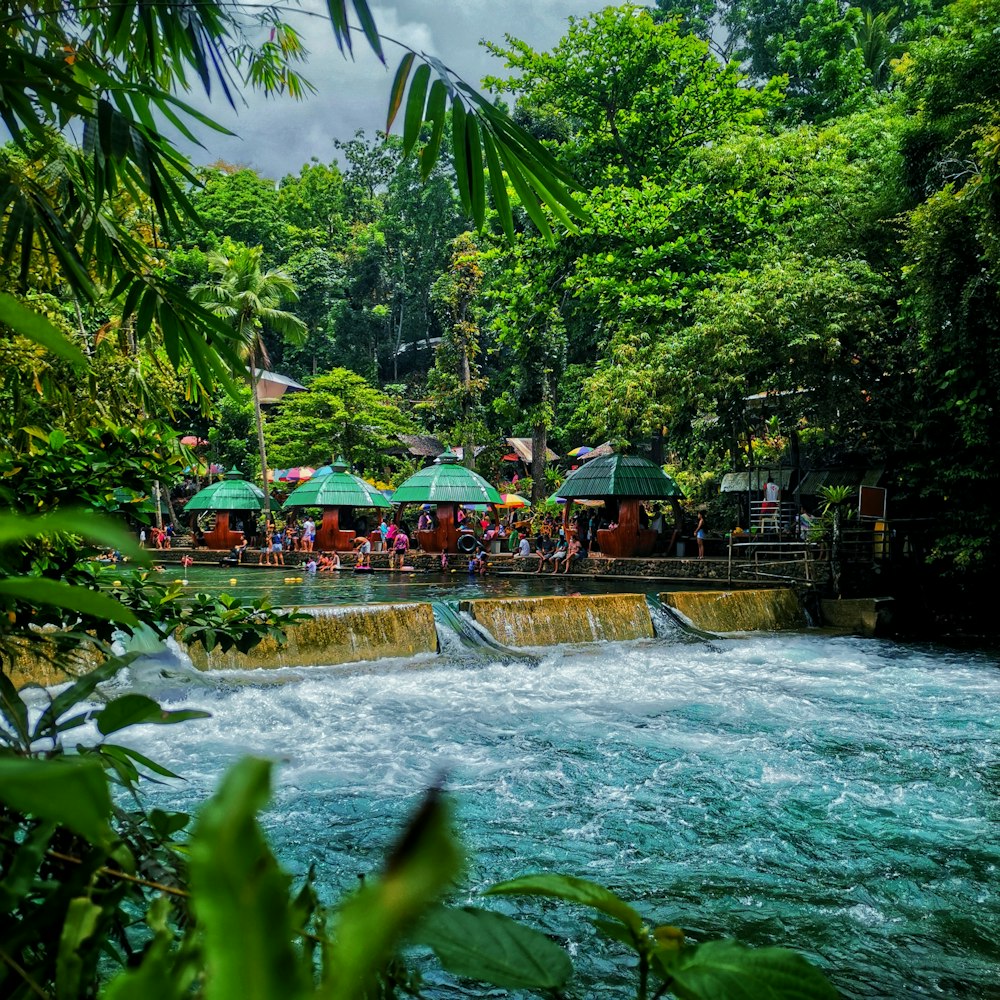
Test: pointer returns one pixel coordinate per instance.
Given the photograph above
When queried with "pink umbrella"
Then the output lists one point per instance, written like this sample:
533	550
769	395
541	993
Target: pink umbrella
299	474
192	441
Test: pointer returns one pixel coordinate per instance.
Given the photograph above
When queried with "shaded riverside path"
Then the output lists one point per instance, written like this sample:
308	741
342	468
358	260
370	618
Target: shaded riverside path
837	795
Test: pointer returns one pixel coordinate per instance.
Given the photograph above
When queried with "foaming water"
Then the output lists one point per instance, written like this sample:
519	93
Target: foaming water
835	795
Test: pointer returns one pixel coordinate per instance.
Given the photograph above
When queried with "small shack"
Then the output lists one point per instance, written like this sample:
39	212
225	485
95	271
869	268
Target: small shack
233	500
622	482
447	486
339	494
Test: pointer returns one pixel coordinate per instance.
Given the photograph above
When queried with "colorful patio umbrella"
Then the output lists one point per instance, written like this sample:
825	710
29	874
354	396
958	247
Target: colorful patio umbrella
513	500
512	457
579	452
299	474
276	475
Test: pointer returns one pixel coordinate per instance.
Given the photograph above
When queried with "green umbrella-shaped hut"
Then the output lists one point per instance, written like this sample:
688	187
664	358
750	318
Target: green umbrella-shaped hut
230	495
622	482
448	485
338	493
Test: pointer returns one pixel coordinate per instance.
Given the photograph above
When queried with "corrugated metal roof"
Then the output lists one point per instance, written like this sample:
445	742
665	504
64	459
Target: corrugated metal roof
619	476
421	445
522	448
813	481
755	480
446	482
337	489
231	493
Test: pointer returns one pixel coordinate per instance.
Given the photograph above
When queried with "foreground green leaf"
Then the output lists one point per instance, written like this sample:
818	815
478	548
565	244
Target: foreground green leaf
72	793
370	925
574	890
240	894
725	970
492	947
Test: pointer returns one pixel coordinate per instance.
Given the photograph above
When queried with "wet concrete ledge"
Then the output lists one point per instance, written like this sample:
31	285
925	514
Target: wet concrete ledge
333	635
739	610
551	621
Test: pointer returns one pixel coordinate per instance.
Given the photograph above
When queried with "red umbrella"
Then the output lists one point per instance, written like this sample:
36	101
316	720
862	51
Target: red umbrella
299	474
512	457
191	441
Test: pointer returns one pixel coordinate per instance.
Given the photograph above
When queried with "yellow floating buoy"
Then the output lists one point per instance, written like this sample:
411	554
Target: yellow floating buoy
232	581
180	581
118	583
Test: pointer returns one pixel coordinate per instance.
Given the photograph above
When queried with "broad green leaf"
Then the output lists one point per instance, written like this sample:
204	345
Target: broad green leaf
494	948
72	793
574	890
82	915
35	327
239	894
50	722
135	709
725	970
23	866
38	590
370	925
17	528
14	710
112	748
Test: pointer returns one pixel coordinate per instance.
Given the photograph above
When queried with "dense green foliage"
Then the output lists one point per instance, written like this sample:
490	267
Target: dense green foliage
787	240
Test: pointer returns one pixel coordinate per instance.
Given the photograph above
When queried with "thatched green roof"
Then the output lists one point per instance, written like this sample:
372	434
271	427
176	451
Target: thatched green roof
232	492
619	476
446	482
338	488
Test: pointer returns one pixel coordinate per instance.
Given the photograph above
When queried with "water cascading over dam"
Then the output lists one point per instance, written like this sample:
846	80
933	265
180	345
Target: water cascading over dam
549	621
336	635
738	610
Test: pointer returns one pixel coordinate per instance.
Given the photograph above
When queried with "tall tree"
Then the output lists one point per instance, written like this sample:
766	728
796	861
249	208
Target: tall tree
251	299
455	384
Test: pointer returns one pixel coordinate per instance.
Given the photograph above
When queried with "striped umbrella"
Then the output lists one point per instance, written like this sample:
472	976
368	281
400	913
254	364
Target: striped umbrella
513	500
299	474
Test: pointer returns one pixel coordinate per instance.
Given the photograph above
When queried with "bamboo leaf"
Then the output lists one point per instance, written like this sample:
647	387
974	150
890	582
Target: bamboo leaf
498	185
55	593
437	110
415	101
458	116
399	88
36	327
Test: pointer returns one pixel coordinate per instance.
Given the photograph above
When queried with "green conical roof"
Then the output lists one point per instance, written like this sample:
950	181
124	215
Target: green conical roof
232	492
337	488
446	482
619	476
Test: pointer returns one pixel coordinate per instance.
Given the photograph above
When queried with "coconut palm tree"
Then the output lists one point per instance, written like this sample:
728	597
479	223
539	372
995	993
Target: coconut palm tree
250	299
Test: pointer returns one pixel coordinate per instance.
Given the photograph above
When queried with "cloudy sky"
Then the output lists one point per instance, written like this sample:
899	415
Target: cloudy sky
277	136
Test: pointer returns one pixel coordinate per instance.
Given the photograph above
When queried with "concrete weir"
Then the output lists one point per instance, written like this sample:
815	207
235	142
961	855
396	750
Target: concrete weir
549	621
336	635
738	610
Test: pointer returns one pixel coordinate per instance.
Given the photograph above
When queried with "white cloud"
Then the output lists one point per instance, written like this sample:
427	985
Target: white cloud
277	136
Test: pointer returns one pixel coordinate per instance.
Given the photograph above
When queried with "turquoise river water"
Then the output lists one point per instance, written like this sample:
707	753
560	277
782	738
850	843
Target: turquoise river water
836	795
